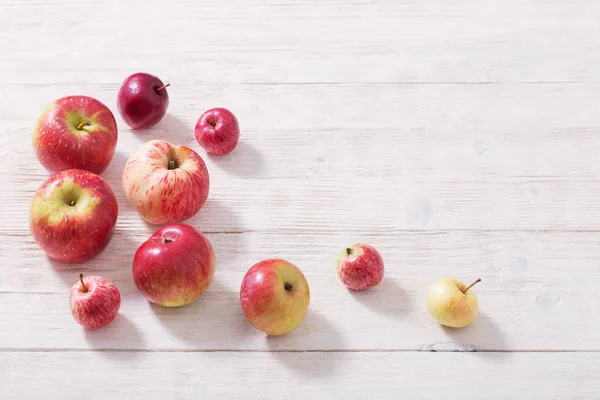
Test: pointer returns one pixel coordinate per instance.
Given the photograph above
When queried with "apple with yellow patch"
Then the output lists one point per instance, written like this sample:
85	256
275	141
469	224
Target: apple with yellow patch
275	296
75	132
165	183
452	303
73	215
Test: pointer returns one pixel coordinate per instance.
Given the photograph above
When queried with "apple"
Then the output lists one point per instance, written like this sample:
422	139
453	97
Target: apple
360	266
165	183
451	303
217	131
75	132
94	301
174	266
73	215
274	296
142	100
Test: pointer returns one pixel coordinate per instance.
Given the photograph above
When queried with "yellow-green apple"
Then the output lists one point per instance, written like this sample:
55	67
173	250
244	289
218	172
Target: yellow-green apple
275	296
217	131
360	266
165	183
72	215
174	266
451	303
75	132
94	301
142	100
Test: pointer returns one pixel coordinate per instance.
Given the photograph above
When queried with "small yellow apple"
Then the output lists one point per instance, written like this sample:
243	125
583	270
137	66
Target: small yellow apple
451	303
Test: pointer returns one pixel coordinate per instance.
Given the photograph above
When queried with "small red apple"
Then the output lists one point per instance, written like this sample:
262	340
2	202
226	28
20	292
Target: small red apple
275	296
360	266
165	183
174	266
142	100
75	132
217	131
73	215
94	301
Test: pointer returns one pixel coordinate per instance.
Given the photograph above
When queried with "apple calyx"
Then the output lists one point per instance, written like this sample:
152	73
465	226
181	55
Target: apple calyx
172	164
162	87
85	288
82	124
348	251
288	287
167	241
471	285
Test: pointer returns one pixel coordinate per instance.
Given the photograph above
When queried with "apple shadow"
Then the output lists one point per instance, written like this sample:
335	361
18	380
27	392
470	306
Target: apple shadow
121	334
387	298
314	349
483	336
244	161
178	131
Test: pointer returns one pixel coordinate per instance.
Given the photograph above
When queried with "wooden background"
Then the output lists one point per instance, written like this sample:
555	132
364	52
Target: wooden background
460	138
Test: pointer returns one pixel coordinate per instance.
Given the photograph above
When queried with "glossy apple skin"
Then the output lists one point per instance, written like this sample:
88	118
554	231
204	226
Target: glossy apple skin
174	266
161	195
96	304
360	266
139	101
79	232
59	144
449	306
266	302
217	131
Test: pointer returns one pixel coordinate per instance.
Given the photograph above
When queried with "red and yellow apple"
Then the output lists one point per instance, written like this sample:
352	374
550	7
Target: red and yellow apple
360	266
73	215
75	132
275	296
94	301
166	184
174	266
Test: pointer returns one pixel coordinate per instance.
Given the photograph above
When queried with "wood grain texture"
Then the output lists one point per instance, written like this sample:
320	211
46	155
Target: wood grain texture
459	138
150	376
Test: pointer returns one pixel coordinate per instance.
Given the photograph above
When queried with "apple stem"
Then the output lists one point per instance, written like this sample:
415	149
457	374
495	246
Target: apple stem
471	285
81	125
163	86
172	164
85	289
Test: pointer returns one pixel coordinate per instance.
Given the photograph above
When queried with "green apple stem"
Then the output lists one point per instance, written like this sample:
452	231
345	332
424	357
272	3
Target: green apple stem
163	86
85	289
81	125
471	285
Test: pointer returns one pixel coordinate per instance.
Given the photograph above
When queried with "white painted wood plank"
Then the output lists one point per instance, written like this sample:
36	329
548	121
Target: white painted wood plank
538	293
148	376
283	41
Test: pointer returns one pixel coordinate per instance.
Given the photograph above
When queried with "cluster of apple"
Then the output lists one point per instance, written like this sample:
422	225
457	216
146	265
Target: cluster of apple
74	212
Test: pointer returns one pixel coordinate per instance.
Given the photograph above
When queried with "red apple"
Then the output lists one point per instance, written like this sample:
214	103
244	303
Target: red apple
142	100
94	301
75	132
275	296
165	183
174	266
72	215
360	266
217	131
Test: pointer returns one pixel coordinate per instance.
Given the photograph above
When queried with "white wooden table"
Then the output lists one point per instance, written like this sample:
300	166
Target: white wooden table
460	138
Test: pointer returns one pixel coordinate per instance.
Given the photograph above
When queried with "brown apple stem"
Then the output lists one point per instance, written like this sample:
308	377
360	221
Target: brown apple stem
81	125
171	164
163	86
85	289
471	285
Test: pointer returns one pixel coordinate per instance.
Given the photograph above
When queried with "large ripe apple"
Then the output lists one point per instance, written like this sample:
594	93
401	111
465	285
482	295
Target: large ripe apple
165	183
174	266
360	266
73	215
275	296
75	132
142	100
452	303
94	301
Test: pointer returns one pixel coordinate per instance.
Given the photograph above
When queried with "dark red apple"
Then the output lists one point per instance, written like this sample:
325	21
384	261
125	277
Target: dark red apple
75	132
94	301
174	266
360	266
73	215
142	100
217	131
